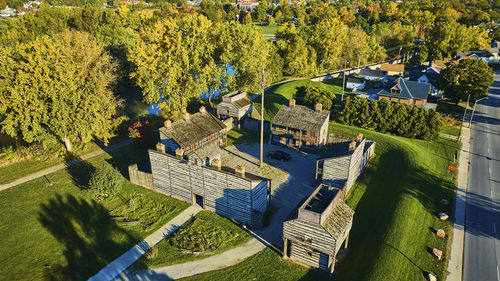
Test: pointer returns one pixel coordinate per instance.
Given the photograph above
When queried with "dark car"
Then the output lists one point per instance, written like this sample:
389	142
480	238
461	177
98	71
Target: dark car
279	155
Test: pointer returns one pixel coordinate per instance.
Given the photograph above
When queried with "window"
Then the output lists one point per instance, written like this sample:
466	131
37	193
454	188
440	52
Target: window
281	138
312	134
323	131
305	133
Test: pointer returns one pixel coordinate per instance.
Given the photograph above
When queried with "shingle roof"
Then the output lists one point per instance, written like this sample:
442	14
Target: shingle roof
354	81
409	90
300	117
338	220
197	127
372	73
392	67
207	151
415	75
241	102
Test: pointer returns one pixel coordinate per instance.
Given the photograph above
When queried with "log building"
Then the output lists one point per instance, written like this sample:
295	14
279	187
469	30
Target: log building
344	162
320	230
235	105
300	127
198	136
232	193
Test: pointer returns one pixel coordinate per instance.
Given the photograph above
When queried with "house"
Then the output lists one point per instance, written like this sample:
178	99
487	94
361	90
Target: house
355	84
406	91
320	229
245	4
442	64
484	55
393	69
343	162
429	76
235	105
300	127
198	136
373	74
232	193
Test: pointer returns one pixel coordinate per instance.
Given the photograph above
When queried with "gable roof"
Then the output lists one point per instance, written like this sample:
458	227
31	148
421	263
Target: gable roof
188	132
409	90
241	102
355	81
338	220
392	67
301	117
431	76
372	73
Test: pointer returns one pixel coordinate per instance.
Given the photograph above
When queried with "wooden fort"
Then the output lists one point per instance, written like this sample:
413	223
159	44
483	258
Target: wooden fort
235	105
232	193
343	162
320	230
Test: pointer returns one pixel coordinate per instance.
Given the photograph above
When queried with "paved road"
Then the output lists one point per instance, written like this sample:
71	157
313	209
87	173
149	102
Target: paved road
482	237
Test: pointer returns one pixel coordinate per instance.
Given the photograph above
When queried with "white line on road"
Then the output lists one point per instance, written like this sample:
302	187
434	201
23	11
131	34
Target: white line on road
498	274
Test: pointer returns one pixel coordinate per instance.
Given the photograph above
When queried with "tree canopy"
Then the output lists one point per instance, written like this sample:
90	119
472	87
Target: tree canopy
470	77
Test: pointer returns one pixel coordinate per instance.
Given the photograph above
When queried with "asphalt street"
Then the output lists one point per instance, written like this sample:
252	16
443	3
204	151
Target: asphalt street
482	221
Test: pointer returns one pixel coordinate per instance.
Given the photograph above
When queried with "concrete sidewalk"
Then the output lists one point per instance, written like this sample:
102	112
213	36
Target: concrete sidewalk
63	165
455	263
113	269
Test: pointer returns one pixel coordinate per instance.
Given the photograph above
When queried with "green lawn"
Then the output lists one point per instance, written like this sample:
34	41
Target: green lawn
244	136
395	202
450	108
280	94
268	30
63	227
207	229
450	130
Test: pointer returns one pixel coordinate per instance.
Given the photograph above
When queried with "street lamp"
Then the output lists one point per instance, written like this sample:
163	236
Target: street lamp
474	109
343	83
463	118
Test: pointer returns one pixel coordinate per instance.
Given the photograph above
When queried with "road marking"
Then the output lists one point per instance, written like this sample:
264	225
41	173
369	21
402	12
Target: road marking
498	274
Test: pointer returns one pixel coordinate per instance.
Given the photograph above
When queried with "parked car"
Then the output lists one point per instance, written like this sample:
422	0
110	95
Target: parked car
279	155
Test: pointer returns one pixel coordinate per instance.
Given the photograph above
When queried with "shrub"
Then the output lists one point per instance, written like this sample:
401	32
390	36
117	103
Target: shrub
391	117
105	182
141	132
317	94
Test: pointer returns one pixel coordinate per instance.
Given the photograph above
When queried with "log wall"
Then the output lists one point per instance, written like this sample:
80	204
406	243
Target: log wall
224	193
311	234
355	166
140	178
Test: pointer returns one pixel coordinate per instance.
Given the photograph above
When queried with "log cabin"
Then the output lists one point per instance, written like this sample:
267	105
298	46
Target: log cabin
300	127
320	229
198	136
230	192
235	105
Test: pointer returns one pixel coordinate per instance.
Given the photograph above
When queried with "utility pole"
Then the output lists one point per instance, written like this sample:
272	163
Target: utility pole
463	118
474	110
261	163
343	83
359	61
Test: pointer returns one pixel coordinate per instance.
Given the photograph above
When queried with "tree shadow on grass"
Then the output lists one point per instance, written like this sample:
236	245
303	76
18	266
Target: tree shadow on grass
79	169
88	234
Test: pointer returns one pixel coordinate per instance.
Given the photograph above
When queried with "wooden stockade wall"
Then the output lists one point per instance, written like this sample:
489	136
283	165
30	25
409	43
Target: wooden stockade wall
225	193
355	166
139	177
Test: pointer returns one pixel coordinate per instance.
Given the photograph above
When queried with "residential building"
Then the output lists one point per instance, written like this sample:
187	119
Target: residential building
393	69
300	127
320	230
198	136
406	91
355	84
373	74
245	4
235	105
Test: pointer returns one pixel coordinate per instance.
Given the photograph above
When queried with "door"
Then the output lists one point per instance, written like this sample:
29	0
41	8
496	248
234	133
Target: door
198	200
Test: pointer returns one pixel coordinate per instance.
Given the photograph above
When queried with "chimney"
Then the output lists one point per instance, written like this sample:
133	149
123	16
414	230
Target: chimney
359	138
318	107
167	123
352	145
291	102
160	147
179	153
202	109
216	163
239	170
185	115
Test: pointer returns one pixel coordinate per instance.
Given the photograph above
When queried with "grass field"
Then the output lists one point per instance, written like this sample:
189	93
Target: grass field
63	227
268	30
278	95
244	136
450	108
396	202
207	229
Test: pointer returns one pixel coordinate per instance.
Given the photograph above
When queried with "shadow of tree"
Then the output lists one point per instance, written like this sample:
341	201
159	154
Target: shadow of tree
80	170
89	236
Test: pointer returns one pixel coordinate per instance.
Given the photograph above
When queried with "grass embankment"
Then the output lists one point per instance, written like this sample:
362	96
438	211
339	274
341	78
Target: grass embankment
207	234
451	110
278	95
62	226
395	202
